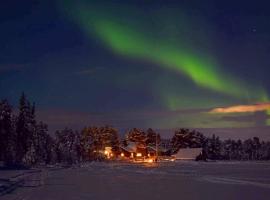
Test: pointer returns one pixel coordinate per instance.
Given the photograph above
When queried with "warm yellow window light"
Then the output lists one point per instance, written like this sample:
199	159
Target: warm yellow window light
139	154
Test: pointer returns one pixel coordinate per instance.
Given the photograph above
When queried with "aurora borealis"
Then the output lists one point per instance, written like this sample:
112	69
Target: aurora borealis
136	63
121	38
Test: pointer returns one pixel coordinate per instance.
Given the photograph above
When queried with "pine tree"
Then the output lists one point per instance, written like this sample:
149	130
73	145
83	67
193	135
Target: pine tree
152	137
136	135
184	138
109	137
26	134
95	139
41	143
66	146
248	149
214	147
21	130
6	133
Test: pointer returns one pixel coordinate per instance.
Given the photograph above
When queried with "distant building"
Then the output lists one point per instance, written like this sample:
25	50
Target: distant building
129	150
188	154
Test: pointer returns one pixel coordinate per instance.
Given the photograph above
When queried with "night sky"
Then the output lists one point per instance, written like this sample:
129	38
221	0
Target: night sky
160	64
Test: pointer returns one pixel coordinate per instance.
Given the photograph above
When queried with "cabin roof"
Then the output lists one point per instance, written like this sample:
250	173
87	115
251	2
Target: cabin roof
188	153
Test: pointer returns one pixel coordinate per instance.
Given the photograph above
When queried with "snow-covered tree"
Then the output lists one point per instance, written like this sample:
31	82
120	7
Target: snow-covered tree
25	128
184	138
136	135
95	139
65	146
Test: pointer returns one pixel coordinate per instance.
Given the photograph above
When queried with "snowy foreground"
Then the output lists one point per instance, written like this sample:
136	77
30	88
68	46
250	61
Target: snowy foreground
174	180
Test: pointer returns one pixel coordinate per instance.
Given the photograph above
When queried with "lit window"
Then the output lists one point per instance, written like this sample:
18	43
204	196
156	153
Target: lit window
139	154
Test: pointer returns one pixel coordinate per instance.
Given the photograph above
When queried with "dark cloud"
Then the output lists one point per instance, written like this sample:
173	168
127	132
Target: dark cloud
258	118
238	133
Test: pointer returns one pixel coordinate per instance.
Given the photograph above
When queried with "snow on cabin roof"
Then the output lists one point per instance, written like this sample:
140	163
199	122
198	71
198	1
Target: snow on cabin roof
188	153
131	147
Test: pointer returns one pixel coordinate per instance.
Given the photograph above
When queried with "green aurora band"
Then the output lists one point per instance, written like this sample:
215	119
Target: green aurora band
124	39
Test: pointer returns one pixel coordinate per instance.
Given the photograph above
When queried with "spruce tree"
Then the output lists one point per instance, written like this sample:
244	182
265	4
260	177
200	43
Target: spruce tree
25	132
6	133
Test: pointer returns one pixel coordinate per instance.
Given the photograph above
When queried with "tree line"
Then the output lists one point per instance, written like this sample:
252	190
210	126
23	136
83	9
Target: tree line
216	149
26	142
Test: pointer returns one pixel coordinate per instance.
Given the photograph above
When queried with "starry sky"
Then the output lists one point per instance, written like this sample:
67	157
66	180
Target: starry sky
160	64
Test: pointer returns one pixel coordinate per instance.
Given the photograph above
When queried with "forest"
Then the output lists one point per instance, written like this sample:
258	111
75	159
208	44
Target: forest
25	141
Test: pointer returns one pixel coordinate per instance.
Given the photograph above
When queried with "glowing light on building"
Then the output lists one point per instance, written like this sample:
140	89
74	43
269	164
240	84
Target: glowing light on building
139	154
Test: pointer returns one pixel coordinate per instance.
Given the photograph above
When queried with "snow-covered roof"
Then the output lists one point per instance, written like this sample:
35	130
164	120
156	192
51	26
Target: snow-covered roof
131	147
188	153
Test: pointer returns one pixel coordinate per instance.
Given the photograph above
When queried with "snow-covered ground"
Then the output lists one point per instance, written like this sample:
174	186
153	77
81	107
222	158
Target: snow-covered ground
173	180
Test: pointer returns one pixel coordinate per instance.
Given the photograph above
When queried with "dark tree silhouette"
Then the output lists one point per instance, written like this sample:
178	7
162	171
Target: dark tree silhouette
184	138
6	133
152	137
24	141
136	135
